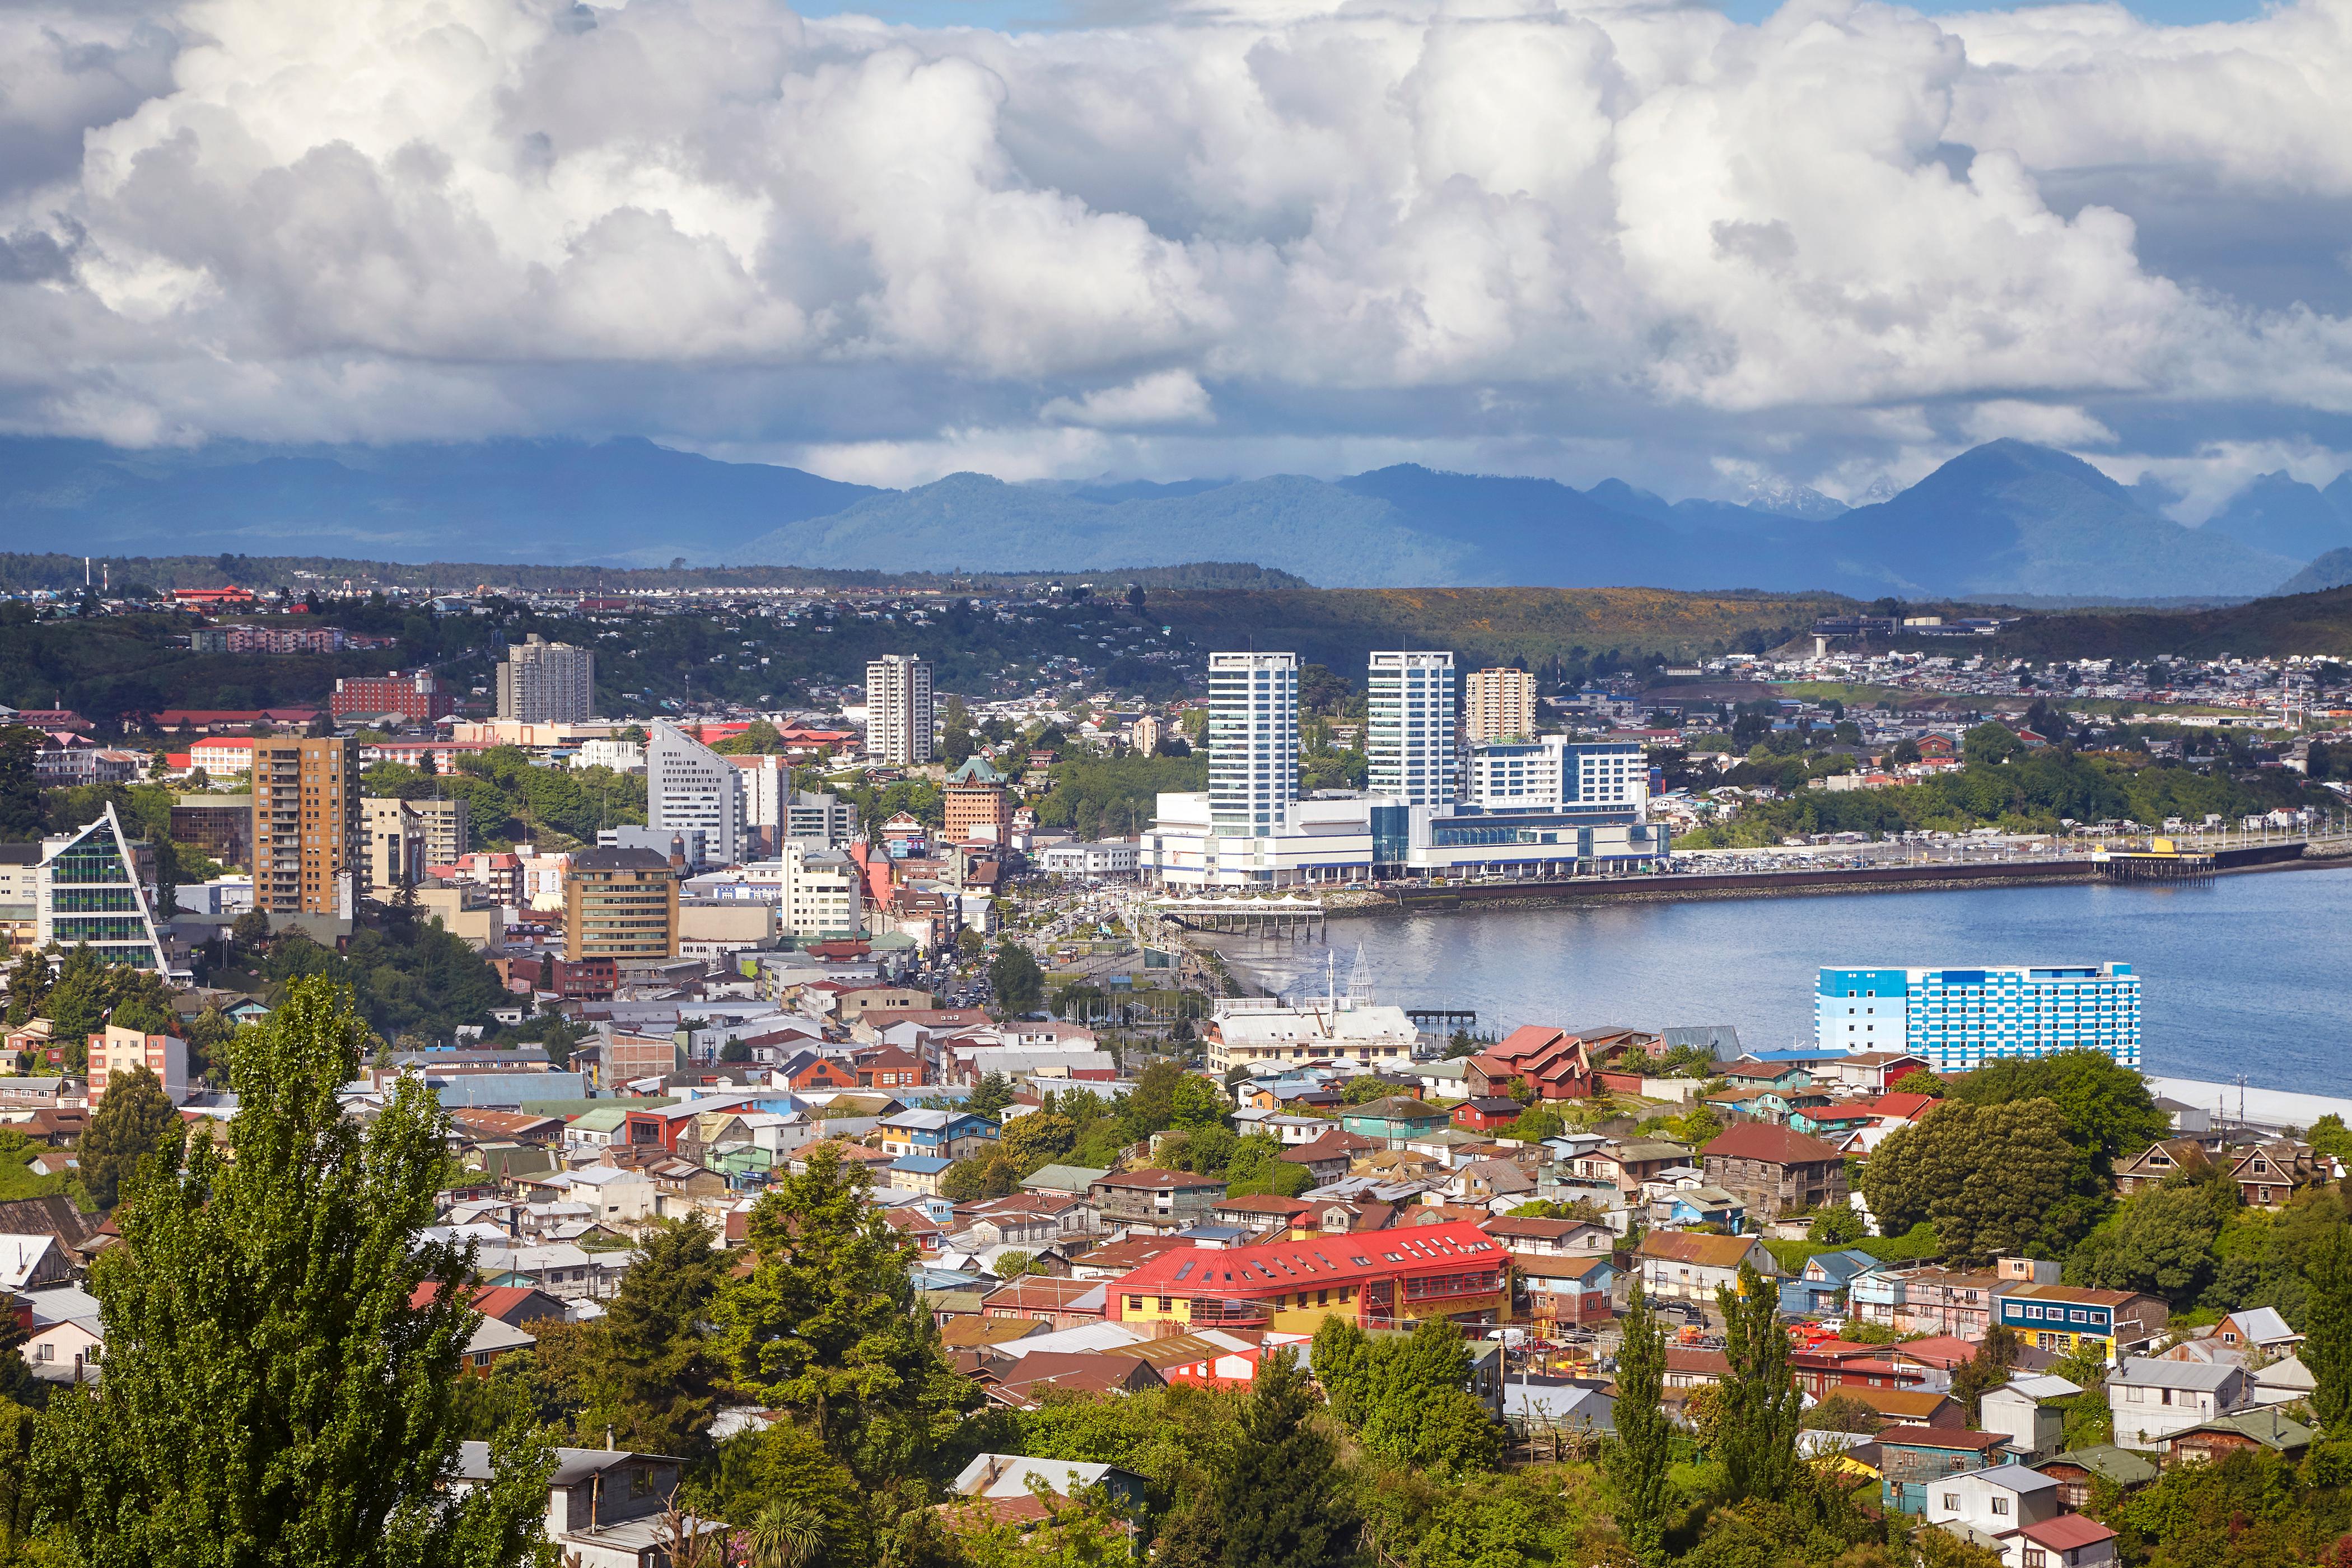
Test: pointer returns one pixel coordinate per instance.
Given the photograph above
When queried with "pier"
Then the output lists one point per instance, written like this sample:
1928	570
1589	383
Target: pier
1297	919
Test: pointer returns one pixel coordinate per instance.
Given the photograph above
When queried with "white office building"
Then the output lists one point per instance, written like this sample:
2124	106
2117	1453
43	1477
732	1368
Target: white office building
1552	772
823	816
1368	837
1409	734
690	786
1252	741
89	892
1958	1019
543	682
898	721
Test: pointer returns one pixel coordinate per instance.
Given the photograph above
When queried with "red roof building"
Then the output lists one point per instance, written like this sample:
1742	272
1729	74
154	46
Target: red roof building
1385	1279
1554	1064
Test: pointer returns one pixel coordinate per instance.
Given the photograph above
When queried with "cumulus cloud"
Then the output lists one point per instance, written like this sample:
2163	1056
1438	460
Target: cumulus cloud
1165	397
1831	247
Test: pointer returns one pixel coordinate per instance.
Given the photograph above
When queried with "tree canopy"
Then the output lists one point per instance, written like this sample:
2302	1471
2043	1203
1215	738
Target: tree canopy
275	1388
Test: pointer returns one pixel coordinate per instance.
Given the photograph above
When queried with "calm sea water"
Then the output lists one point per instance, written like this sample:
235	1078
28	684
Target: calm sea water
2251	975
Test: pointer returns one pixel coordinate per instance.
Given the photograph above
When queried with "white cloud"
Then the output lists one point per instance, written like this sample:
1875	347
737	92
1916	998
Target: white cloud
2052	425
1164	398
1826	247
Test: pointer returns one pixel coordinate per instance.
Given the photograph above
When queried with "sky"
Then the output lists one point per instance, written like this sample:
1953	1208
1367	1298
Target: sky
1709	249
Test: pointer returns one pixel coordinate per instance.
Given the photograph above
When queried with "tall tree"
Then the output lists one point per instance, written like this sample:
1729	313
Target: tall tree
827	1327
21	816
1276	1500
1015	977
272	1394
664	1377
134	1123
2328	1327
1637	1458
1992	1178
1757	1402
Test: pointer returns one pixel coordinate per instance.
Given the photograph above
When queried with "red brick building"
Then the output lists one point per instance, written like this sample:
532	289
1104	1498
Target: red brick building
418	695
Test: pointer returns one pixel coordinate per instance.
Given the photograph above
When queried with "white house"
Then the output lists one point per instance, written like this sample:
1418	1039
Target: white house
2025	1408
2153	1399
67	1350
2016	1512
2283	1381
29	1262
617	1197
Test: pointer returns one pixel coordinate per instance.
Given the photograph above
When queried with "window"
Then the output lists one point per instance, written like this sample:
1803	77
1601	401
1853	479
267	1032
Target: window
1952	1502
2001	1508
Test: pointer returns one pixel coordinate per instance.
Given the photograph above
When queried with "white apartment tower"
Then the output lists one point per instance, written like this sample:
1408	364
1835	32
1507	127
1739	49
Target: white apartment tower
1408	737
898	727
1497	705
543	682
688	785
1252	741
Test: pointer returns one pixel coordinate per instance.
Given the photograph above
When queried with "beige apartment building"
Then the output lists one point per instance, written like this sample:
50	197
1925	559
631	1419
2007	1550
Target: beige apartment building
1497	705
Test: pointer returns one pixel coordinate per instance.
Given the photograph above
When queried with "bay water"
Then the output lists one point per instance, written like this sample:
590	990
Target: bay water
2249	975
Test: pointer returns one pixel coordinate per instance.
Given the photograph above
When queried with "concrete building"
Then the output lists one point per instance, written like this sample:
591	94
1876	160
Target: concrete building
543	682
1080	857
688	785
115	1051
767	783
1552	772
979	805
899	725
1497	705
823	817
819	892
1958	1019
306	846
621	905
1360	838
1253	742
90	889
417	696
1410	727
448	829
393	840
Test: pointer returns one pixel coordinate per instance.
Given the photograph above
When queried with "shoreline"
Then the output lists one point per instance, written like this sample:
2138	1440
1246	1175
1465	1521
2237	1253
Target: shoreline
1703	887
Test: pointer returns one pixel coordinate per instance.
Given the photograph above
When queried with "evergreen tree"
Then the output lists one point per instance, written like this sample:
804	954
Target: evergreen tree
1757	1402
271	1394
1013	975
1637	1460
21	816
1278	1500
1342	1362
134	1123
827	1326
665	1378
2327	1329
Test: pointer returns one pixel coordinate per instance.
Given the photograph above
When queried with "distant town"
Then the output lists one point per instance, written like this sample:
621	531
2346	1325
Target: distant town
835	1131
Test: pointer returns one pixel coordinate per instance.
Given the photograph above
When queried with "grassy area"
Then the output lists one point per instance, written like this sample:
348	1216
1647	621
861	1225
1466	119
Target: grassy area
17	1180
1919	1245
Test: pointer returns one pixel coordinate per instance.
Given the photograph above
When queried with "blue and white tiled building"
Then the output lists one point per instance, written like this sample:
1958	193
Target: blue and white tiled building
1961	1018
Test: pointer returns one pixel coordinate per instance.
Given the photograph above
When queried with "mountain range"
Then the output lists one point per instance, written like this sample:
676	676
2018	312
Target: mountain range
2004	518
